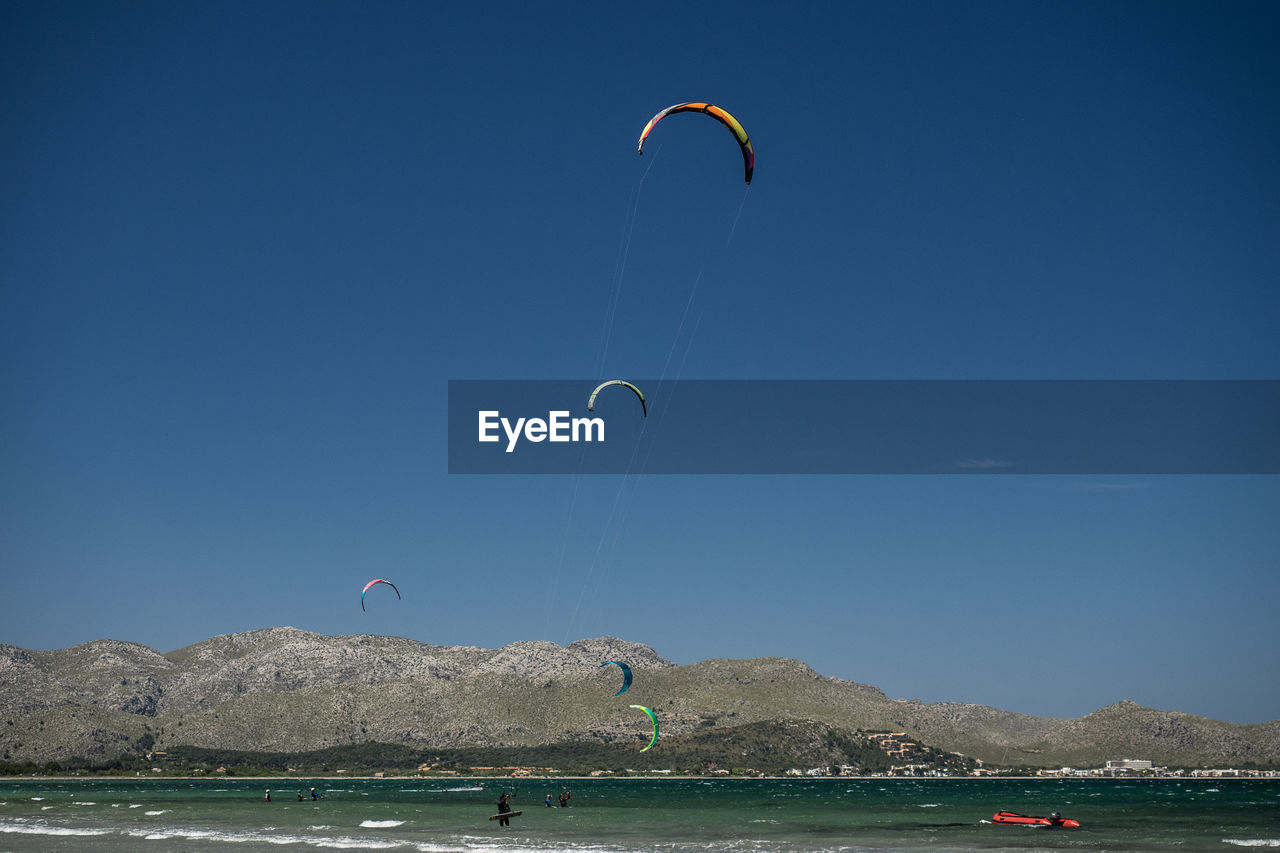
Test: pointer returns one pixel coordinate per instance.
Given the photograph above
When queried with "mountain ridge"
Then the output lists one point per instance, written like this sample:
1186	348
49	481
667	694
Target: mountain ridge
283	689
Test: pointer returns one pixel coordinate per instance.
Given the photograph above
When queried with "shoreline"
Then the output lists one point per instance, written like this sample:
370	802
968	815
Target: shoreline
656	777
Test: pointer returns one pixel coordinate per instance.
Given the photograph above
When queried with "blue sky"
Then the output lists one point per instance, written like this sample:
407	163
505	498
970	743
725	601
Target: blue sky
245	246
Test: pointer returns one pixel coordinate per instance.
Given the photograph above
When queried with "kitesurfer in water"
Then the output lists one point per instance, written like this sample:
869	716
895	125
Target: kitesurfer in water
504	806
268	798
314	795
564	799
550	805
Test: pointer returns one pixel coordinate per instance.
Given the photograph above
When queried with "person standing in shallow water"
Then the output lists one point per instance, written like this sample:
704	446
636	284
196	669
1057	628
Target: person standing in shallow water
504	806
268	797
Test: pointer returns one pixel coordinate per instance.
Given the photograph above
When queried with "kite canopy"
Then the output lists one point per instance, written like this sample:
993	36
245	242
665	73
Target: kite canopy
653	717
371	583
626	674
591	402
748	152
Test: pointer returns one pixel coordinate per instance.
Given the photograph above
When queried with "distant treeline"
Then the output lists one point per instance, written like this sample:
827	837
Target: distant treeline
767	747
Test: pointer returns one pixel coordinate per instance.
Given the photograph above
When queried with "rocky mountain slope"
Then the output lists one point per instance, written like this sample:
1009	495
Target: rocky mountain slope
282	689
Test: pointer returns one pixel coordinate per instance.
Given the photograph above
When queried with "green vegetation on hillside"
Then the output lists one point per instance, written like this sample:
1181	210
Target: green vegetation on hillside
768	747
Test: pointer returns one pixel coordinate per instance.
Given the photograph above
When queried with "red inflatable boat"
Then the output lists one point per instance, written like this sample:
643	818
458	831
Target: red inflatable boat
1029	820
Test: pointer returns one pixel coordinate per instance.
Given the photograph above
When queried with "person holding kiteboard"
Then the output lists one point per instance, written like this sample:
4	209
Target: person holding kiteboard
504	807
504	815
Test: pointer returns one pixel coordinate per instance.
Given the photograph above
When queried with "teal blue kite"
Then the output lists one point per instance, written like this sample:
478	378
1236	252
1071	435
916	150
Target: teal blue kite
626	674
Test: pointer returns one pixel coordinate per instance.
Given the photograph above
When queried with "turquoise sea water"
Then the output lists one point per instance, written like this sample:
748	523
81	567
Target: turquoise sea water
617	816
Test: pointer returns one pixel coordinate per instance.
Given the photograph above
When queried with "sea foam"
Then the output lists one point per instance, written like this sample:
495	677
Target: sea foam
45	829
273	839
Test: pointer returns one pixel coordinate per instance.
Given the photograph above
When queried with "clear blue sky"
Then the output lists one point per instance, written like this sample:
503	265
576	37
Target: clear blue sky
244	247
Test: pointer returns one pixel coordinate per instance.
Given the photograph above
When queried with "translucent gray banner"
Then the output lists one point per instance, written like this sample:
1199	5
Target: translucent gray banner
865	427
